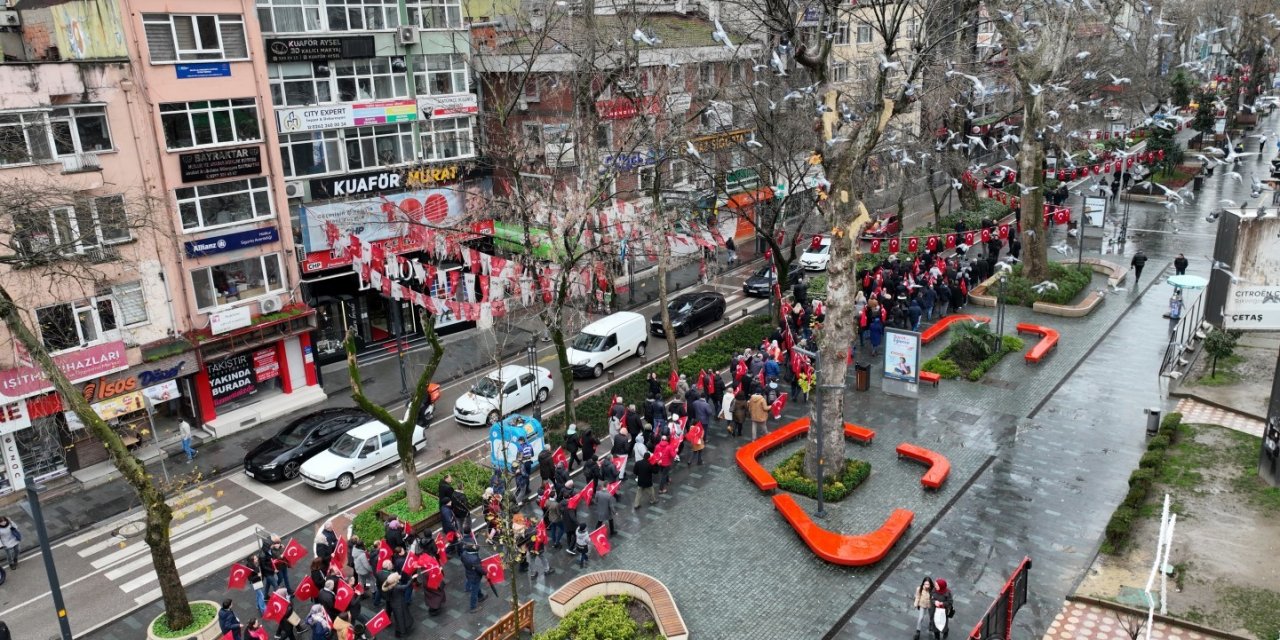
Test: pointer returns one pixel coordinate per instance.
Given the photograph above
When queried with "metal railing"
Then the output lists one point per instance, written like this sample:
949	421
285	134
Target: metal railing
1182	337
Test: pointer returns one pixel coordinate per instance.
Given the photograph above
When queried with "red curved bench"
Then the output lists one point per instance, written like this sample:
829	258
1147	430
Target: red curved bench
748	454
939	467
940	327
1048	340
842	549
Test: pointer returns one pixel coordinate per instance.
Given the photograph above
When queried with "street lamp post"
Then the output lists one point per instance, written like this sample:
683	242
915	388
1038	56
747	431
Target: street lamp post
532	354
55	587
399	327
1000	310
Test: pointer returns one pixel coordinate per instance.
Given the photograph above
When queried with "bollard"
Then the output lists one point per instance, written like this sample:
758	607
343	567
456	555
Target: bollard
702	333
744	313
612	375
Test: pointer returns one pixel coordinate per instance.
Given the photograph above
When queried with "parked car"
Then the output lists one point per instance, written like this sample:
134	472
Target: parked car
501	392
606	342
280	457
690	311
998	178
356	453
759	282
817	259
886	226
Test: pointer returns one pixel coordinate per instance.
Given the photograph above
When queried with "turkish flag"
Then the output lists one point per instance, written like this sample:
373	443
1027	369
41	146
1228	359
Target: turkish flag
1062	215
875	245
951	240
913	245
894	245
306	589
410	564
559	458
384	553
293	552
377	623
600	538
613	487
931	243
342	595
435	574
340	552
230	635
440	546
673	379
544	495
1003	231
239	576
1159	154
778	405
619	463
276	606
986	234
968	238
493	568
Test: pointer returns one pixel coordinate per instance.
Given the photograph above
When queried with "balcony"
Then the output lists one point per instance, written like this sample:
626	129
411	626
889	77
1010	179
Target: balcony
80	163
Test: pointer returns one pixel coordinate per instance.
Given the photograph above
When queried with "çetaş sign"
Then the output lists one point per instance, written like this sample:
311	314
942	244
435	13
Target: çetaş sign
231	242
312	49
220	163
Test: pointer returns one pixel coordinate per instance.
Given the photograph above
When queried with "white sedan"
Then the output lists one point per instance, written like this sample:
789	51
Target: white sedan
358	452
817	259
502	392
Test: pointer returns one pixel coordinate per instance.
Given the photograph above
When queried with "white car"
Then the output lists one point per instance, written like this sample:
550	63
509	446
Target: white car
817	259
358	452
517	386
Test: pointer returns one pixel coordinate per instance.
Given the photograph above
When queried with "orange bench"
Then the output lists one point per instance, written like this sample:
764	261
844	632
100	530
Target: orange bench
930	377
939	467
747	453
842	549
861	434
945	322
1048	341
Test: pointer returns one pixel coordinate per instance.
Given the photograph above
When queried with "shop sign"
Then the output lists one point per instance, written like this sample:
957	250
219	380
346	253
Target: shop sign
231	378
448	106
141	377
13	462
372	182
351	114
220	163
399	216
79	365
311	49
14	417
265	364
204	70
624	108
631	161
163	392
231	242
120	405
720	141
229	320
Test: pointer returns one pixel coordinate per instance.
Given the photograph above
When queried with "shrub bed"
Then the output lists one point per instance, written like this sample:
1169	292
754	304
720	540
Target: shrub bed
202	613
606	618
1070	282
1140	482
791	477
971	353
474	478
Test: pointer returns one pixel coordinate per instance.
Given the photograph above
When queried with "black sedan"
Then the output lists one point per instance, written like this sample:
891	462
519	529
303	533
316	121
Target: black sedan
690	311
280	456
758	284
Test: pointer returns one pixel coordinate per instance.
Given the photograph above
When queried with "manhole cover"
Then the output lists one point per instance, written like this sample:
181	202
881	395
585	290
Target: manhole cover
962	417
131	530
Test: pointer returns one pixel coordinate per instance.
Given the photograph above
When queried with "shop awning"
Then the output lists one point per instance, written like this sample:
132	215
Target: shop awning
748	198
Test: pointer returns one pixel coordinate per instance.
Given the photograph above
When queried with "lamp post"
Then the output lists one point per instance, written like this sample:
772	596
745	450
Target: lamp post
55	587
398	321
532	354
812	355
1000	310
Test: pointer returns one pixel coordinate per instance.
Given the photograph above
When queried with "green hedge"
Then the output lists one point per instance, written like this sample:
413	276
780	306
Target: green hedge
202	613
601	618
1141	480
987	209
368	525
948	369
1070	280
791	477
713	354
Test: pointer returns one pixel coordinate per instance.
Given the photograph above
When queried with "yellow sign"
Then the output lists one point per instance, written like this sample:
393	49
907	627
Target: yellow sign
718	141
120	405
422	177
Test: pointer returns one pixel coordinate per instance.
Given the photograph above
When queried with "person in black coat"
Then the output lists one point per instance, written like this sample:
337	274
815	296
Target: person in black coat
587	443
446	490
328	599
571	445
546	466
397	605
655	386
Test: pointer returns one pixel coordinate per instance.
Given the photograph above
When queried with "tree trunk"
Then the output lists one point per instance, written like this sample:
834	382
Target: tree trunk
566	373
838	333
159	515
673	355
1035	243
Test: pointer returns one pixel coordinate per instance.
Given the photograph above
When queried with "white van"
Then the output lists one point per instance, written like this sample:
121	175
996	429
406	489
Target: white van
606	342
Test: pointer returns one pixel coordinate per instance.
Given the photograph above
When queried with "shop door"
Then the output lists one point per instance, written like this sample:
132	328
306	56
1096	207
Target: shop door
41	450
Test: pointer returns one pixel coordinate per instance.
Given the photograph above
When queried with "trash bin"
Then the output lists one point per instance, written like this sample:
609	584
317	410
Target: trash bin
1153	421
1197	183
862	377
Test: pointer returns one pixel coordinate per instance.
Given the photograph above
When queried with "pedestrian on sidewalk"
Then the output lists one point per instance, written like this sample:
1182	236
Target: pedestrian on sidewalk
555	522
473	572
697	441
228	622
643	471
941	599
924	604
398	598
571	445
726	409
184	429
732	250
583	539
362	564
664	455
759	410
1138	262
605	506
10	537
320	622
1180	263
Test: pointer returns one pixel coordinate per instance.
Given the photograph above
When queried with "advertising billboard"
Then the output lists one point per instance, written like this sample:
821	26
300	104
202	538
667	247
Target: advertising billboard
1253	295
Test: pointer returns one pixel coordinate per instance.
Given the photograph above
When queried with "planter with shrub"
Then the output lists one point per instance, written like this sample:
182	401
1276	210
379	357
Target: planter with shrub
204	624
606	618
1141	481
791	477
470	477
973	351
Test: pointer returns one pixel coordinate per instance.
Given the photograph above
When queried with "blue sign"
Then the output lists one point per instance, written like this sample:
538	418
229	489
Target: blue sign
204	70
231	242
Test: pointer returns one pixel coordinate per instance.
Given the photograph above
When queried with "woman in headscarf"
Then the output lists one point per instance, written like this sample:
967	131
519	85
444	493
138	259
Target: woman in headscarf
319	622
288	627
398	604
941	599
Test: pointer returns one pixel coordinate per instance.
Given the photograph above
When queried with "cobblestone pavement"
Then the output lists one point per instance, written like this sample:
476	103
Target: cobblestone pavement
1193	411
1085	620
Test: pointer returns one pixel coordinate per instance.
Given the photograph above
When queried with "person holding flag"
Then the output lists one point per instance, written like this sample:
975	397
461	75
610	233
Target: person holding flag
473	572
605	507
535	548
697	442
319	622
228	622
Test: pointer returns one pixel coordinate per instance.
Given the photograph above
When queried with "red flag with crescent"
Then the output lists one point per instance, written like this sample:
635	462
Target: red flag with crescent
600	538
913	245
1062	215
875	245
985	234
673	379
1003	231
340	552
342	595
384	552
544	495
931	243
493	568
968	238
619	463
410	564
377	623
435	574
894	245
951	240
293	552
306	589
440	549
239	576
559	458
276	606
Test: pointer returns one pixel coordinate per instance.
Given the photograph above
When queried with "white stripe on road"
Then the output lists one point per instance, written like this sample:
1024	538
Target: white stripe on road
279	499
216	564
86	536
141	546
186	542
115	540
205	569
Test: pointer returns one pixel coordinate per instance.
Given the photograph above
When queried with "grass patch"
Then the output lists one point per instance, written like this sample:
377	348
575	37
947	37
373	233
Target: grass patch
1070	282
1227	374
791	477
1257	610
1165	445
202	613
474	479
972	352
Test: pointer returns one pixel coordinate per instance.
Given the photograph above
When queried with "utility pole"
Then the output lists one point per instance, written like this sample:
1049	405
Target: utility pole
55	587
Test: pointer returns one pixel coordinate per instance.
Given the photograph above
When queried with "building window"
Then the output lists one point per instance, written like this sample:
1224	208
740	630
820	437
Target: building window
237	281
864	33
644	175
223	203
913	29
378	146
737	72
440	74
311	153
289	16
210	122
839	72
80	130
24	138
679	172
354	15
842	31
435	14
529	92
130	304
447	139
707	75
604	136
532	133
72	325
72	230
298	84
179	38
371	79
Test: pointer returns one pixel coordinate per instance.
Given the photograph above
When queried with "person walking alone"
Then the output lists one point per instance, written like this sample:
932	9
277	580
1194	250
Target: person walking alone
10	537
643	471
924	605
1180	264
731	251
1138	262
184	429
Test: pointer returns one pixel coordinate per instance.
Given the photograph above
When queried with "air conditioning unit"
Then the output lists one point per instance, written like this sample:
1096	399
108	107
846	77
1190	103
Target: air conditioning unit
270	305
294	190
407	34
10	19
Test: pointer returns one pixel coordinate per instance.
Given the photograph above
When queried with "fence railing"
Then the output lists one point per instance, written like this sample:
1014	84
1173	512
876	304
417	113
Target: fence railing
1182	337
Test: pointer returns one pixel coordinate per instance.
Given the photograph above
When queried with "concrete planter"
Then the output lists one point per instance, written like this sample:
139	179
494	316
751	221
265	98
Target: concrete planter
207	632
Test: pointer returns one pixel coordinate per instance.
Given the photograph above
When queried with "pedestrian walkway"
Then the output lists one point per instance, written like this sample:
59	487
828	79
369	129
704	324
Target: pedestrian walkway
1085	620
1195	411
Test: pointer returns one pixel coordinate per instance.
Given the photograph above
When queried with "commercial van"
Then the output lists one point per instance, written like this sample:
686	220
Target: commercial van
606	342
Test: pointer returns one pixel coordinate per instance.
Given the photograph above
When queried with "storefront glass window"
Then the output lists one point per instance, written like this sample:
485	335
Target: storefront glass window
239	280
41	450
